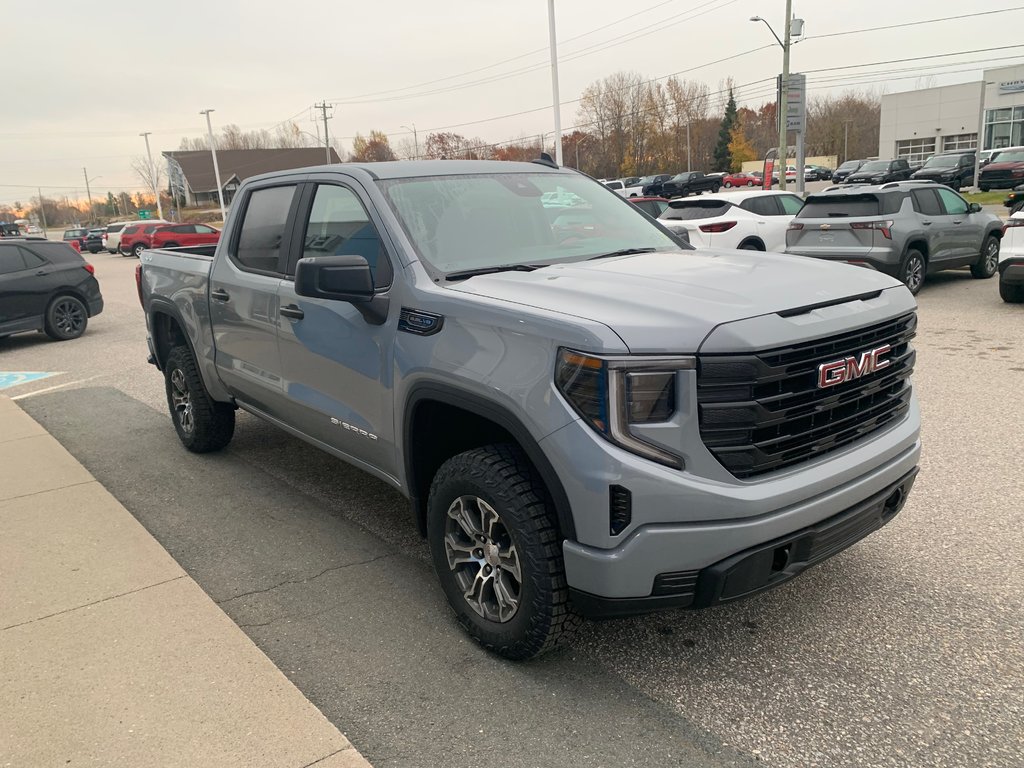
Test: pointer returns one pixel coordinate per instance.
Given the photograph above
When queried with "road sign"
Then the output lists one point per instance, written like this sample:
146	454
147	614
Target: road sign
145	214
796	101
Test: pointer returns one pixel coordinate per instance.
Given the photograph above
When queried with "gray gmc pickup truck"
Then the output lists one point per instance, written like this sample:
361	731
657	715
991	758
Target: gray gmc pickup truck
588	417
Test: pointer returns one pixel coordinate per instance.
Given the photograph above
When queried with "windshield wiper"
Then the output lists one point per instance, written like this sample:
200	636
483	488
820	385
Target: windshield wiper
622	252
492	270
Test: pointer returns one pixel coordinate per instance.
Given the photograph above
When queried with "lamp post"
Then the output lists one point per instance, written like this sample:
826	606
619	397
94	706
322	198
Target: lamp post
784	90
152	176
216	168
556	105
415	139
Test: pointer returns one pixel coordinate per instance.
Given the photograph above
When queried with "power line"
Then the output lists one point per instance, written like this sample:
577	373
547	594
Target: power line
912	23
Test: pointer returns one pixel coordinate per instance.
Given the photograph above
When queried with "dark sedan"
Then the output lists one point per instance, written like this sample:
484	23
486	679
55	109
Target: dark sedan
880	172
46	286
844	170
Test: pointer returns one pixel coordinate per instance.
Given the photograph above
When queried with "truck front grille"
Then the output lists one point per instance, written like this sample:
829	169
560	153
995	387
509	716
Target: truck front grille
764	411
997	174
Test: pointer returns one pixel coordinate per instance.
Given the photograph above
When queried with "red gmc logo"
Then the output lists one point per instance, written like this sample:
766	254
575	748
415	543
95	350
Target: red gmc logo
850	368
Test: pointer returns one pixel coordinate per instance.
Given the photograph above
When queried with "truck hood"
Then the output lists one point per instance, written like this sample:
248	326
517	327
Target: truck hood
671	301
997	166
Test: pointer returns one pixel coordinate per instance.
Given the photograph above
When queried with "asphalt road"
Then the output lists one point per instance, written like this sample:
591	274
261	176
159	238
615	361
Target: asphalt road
903	651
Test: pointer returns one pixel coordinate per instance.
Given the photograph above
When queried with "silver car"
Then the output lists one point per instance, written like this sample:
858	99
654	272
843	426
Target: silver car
905	229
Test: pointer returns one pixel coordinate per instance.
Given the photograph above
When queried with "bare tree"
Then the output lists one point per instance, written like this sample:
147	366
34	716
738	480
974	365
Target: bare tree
151	176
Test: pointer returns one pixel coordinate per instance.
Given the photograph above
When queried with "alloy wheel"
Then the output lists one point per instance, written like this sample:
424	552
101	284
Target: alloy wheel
992	256
68	317
182	401
914	274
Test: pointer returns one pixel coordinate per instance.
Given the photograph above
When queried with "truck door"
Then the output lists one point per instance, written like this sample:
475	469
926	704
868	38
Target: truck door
336	365
243	298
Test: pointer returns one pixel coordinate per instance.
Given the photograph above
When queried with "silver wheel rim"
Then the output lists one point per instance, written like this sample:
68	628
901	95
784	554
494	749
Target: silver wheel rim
992	256
181	399
915	273
483	558
68	317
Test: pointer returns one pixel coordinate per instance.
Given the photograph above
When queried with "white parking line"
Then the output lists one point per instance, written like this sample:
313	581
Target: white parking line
59	386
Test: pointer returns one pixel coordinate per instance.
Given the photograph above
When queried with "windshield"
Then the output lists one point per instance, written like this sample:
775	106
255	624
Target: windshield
1016	156
942	161
877	165
466	222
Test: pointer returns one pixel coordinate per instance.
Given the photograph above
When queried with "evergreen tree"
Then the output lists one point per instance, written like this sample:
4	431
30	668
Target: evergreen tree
723	159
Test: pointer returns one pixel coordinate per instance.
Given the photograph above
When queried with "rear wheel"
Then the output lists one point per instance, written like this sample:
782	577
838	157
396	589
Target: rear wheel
66	318
989	261
750	183
714	189
752	245
203	424
137	250
912	270
497	552
984	188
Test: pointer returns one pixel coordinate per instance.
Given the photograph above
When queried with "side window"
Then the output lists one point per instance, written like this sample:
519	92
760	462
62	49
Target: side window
259	241
339	225
926	203
952	202
762	206
10	261
202	229
32	260
791	204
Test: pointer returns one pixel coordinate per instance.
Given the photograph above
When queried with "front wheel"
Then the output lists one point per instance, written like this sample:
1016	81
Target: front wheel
912	270
66	318
987	265
728	184
497	552
203	424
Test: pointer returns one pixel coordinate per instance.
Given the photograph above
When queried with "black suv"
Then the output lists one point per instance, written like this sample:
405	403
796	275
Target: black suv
954	169
880	172
46	286
94	239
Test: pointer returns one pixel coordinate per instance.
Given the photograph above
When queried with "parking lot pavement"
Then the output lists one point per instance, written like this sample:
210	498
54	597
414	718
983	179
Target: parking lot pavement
904	650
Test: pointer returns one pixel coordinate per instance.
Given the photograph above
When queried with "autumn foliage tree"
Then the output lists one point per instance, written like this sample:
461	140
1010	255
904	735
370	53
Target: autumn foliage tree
374	148
740	148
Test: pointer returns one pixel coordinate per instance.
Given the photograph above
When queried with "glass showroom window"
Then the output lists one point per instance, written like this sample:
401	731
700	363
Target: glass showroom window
959	142
1004	127
915	150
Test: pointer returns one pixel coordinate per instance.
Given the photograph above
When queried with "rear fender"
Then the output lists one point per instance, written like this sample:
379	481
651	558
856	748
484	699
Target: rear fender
170	327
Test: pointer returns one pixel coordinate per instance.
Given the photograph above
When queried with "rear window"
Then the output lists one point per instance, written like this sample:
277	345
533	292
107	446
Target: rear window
114	228
851	206
684	210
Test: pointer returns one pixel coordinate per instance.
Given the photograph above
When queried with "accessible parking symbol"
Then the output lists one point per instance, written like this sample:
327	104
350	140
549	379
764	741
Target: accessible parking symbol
10	379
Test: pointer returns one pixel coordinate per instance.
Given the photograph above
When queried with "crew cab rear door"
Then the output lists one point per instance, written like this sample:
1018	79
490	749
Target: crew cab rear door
336	365
243	288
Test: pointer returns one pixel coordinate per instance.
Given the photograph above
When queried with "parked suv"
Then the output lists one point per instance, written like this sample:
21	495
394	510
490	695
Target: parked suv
46	286
137	237
906	230
112	237
840	174
1004	171
94	239
954	169
76	236
880	172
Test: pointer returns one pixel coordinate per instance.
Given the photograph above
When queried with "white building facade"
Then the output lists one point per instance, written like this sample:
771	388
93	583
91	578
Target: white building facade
918	124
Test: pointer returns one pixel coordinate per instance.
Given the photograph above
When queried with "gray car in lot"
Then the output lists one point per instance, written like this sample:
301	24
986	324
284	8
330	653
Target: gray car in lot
587	416
904	229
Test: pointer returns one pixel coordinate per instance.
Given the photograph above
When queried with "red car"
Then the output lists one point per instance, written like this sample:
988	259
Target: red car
175	235
135	238
741	180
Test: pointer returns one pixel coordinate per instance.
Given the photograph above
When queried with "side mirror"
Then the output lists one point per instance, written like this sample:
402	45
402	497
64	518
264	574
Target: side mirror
342	278
974	208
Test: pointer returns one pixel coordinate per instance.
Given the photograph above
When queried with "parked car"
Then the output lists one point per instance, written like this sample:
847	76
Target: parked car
1011	260
880	172
741	180
689	183
637	189
34	229
135	238
77	236
1015	199
754	220
46	286
1004	171
112	236
8	229
954	169
817	173
615	185
94	239
181	235
652	206
610	425
840	174
906	230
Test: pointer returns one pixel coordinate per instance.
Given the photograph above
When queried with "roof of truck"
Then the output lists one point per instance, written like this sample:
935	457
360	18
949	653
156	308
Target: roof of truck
407	169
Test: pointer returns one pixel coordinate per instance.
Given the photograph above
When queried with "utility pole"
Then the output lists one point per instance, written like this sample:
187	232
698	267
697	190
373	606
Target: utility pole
783	107
846	140
415	139
323	107
88	194
556	106
216	168
42	211
687	145
152	176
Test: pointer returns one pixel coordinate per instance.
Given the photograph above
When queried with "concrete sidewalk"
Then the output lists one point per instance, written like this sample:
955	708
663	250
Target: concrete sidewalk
110	654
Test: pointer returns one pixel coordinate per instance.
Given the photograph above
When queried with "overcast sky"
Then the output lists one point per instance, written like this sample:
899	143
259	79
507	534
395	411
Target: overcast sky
83	80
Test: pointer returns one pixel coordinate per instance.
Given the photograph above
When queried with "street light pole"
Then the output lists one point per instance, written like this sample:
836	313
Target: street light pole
556	106
152	176
783	92
216	168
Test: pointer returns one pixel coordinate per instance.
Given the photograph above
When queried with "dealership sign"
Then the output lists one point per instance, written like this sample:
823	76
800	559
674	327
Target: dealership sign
1012	86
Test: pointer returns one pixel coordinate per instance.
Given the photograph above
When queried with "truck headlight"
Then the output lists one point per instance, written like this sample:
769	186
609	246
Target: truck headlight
612	393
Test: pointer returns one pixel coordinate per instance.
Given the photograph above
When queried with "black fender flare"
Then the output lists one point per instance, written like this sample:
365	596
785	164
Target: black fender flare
155	306
487	409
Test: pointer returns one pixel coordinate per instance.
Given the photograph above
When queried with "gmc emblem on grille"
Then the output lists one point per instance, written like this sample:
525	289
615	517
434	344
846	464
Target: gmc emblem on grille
850	368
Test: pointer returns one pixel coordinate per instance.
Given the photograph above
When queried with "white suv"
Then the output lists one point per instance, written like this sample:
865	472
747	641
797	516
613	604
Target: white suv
753	220
112	237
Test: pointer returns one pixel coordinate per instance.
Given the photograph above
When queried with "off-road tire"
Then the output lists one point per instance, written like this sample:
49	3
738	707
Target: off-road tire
988	263
211	424
66	318
501	476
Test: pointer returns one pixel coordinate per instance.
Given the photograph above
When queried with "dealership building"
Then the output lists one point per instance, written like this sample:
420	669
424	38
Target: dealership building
918	124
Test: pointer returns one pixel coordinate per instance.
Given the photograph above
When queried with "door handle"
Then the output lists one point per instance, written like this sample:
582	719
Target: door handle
219	294
926	223
960	221
292	311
